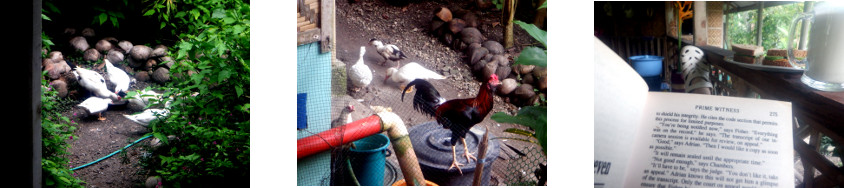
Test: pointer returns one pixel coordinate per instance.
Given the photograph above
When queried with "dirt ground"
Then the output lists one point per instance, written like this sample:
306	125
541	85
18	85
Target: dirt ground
94	139
407	28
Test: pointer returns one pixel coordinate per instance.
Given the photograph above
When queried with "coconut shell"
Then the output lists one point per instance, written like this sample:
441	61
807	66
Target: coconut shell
502	60
60	86
472	47
471	19
167	62
528	79
488	57
91	55
150	63
524	92
153	181
503	71
56	70
456	25
140	52
115	56
477	55
489	69
110	39
70	31
126	46
478	67
542	83
507	86
471	35
443	14
161	75
159	51
494	47
79	43
524	69
142	76
56	56
134	63
45	63
540	72
88	32
436	23
103	45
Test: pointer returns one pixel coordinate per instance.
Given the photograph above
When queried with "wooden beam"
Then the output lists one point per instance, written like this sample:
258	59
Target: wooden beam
327	25
308	36
754	6
307	27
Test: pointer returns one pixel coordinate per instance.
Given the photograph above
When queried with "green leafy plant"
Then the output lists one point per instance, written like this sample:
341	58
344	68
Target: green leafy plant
210	109
55	130
533	55
534	117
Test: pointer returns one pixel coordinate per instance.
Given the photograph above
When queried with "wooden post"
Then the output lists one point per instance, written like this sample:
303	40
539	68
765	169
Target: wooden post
539	20
699	24
479	166
326	25
509	12
808	6
759	17
726	27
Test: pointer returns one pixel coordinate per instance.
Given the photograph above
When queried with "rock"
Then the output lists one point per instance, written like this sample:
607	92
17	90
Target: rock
79	43
489	69
477	55
540	72
507	86
155	142
140	52
126	46
150	64
153	182
142	76
88	32
494	47
103	45
114	56
502	60
478	67
471	35
160	51
524	69
528	79
91	55
524	92
443	14
60	86
168	62
134	63
161	75
503	71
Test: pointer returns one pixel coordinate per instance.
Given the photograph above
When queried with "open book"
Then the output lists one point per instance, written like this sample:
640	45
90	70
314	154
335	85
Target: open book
658	139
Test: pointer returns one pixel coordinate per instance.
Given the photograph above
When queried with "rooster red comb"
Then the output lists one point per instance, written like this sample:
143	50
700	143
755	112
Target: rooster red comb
493	77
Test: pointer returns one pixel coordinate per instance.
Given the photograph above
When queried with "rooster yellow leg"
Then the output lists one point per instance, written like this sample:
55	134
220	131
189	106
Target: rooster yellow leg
455	164
101	118
466	152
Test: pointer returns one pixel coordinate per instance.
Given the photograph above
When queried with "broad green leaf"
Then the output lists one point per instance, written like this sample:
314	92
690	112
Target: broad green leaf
224	74
181	14
238	29
239	91
534	31
114	22
195	14
228	20
103	17
218	13
531	116
532	56
544	5
149	12
161	137
43	16
162	25
519	132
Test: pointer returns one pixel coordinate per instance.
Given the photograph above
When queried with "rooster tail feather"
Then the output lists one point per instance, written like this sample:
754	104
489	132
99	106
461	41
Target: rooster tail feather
426	99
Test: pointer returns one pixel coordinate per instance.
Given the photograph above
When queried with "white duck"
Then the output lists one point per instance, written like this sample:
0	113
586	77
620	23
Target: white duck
144	118
410	72
94	105
389	51
94	82
359	73
118	77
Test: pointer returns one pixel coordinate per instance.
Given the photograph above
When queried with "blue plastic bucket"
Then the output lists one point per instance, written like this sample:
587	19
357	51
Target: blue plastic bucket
368	159
647	65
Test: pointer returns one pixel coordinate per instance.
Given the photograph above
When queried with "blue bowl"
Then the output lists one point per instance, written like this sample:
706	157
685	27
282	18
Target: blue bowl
647	65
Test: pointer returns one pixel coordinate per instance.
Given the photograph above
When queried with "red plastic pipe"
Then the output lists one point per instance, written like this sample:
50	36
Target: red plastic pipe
338	136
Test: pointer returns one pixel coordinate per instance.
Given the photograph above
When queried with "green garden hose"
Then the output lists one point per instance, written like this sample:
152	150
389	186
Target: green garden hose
112	153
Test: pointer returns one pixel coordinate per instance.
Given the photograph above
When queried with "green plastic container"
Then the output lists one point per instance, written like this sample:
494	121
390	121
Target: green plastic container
368	159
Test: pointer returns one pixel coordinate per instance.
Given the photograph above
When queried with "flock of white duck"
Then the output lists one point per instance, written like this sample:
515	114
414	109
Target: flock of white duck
360	74
101	97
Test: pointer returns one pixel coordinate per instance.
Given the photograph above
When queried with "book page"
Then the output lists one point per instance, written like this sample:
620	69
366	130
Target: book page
692	140
620	96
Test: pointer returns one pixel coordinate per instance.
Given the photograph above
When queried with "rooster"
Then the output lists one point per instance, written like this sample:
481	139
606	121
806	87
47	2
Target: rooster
459	115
